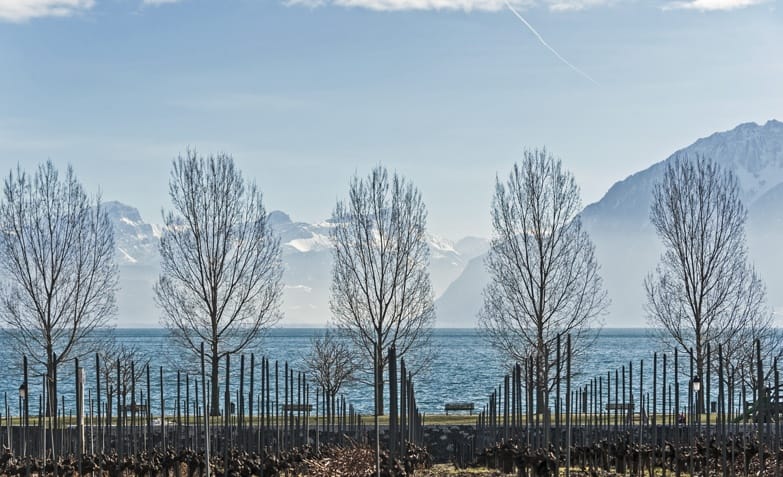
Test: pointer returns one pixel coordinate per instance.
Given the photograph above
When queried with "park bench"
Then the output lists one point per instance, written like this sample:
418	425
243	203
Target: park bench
619	406
135	408
765	410
459	406
297	407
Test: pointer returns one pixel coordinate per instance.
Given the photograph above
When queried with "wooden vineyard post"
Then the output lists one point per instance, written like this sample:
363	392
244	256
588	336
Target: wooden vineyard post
392	401
505	408
80	411
654	400
162	412
241	401
206	411
568	406
250	394
403	404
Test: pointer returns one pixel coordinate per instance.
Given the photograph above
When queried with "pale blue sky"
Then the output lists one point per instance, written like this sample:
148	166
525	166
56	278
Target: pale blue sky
303	95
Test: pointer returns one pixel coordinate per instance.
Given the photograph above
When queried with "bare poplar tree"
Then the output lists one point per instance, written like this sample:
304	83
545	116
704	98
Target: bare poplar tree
703	289
220	279
545	280
57	256
332	364
381	291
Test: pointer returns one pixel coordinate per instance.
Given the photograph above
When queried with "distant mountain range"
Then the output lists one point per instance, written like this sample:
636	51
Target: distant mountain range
626	245
306	257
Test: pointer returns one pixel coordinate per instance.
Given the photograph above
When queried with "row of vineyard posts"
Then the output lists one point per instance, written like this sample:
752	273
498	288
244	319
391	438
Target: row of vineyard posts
270	412
272	409
616	421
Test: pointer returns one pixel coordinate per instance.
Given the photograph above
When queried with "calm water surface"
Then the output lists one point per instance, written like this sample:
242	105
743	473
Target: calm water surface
465	367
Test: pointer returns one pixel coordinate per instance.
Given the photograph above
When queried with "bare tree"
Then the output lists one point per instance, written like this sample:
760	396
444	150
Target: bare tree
57	255
131	363
703	289
220	279
739	352
381	291
545	280
331	363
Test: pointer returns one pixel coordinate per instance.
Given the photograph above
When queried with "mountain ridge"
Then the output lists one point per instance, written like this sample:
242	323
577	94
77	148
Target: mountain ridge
627	247
306	253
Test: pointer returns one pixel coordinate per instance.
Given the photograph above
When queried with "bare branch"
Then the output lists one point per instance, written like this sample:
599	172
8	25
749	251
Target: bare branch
331	362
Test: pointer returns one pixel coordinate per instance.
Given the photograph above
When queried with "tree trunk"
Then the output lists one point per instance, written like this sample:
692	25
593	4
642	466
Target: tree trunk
379	385
541	378
214	405
332	411
109	399
327	411
700	398
51	384
700	372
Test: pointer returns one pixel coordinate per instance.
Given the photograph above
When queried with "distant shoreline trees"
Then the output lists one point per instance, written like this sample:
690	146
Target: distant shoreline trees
221	273
544	278
57	253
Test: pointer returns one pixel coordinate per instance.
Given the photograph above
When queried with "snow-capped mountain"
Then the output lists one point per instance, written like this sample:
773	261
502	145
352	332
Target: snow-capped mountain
136	240
137	257
754	153
627	247
307	259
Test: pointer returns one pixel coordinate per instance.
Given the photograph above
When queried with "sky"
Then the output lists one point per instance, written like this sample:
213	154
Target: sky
306	93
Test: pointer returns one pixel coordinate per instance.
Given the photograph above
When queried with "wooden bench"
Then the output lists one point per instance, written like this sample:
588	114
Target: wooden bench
135	408
297	407
619	406
459	406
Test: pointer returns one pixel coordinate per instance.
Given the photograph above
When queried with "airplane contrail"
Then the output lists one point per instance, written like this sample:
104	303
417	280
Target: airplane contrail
543	42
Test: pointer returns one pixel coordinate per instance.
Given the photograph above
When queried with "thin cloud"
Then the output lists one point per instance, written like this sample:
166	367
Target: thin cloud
464	5
497	5
712	5
576	5
402	5
158	2
23	10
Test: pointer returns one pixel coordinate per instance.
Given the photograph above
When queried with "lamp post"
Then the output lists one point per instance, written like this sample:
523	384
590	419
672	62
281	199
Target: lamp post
23	417
696	384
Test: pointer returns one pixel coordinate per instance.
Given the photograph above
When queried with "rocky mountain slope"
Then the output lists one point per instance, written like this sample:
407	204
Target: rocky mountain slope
626	244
